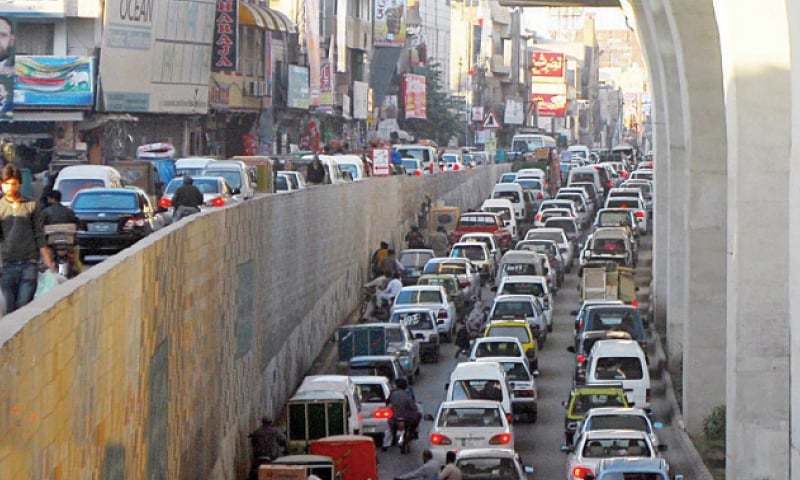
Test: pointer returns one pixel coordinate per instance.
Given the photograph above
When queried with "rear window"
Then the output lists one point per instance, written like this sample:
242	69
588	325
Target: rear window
376	369
609	245
552	236
414	259
446	268
417	153
497	349
477	221
281	184
512	310
618	447
508	177
232	177
372	393
585	402
567	225
522	289
490	467
530	184
520	333
105	201
617	422
504	212
618	368
204	185
620	320
410	164
449	284
470	417
513	196
70	186
513	269
477	390
407	297
614	219
582	177
622	203
515	372
475	252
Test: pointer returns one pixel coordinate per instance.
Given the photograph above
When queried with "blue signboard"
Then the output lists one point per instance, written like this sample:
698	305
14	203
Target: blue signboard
53	81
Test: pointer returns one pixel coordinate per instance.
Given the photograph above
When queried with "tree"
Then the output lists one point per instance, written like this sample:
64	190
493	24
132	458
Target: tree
442	123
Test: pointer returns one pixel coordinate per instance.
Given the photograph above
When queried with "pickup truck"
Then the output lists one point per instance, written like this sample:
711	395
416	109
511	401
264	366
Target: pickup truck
482	222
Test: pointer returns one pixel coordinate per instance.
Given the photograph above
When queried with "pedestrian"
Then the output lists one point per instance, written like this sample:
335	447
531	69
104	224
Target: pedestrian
23	242
315	172
187	199
439	242
389	264
377	259
267	441
450	470
414	238
462	341
428	471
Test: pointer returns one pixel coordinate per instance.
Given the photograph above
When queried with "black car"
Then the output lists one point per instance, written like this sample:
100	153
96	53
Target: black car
112	219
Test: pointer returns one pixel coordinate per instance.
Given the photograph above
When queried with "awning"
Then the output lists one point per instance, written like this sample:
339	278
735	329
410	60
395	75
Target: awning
265	18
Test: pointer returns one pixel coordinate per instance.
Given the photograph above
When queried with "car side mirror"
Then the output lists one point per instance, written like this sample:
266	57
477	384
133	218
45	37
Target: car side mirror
589	476
236	191
658	425
494	289
571	349
446	386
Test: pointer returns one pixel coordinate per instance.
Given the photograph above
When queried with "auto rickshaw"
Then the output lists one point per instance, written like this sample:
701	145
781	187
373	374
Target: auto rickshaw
300	467
353	455
444	216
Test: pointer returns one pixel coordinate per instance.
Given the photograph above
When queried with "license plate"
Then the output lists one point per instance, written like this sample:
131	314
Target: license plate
369	429
470	442
102	227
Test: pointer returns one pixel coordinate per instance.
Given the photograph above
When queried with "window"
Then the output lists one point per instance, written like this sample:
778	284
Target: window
69	187
475	253
522	289
512	310
516	372
618	422
618	368
34	38
477	390
619	447
372	393
520	333
105	201
497	349
470	417
418	296
414	260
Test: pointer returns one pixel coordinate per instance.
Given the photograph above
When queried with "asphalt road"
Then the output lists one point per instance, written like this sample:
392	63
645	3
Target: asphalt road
539	444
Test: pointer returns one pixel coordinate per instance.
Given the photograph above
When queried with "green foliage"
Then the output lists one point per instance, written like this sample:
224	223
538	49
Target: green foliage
442	123
714	424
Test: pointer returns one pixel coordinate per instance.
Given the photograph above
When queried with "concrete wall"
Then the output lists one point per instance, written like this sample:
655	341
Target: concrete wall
157	363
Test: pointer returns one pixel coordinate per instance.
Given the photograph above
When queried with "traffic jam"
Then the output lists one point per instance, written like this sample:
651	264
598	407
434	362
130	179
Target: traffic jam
455	368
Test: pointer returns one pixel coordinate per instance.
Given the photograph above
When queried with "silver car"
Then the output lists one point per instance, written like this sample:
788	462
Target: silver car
593	447
620	418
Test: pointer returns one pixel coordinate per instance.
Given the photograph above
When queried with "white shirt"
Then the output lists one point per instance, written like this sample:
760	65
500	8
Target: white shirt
392	289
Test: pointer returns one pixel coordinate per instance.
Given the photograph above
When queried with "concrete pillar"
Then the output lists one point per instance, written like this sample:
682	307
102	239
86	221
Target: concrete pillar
754	35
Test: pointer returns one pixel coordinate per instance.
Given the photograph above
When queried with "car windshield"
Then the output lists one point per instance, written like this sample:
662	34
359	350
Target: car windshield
587	401
449	284
567	225
516	309
617	422
515	372
530	184
618	368
410	164
488	469
449	268
232	177
101	200
515	288
414	259
477	221
372	393
70	186
503	211
520	333
614	319
414	320
513	196
472	252
475	389
540	235
204	185
617	447
470	417
614	219
497	349
408	297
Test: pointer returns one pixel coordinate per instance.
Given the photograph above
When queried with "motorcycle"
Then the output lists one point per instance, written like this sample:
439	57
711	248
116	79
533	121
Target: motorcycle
61	240
404	432
373	310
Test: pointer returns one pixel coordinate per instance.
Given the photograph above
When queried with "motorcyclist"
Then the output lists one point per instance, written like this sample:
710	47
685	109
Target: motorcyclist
404	407
392	289
267	441
187	199
57	214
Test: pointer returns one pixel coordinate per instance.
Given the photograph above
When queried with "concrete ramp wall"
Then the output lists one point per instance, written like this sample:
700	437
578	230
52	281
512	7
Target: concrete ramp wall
157	363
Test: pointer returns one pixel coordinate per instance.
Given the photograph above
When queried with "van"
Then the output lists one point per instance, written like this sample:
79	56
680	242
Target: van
505	208
621	361
586	174
343	385
523	143
514	193
350	165
236	174
424	153
192	165
480	381
581	151
74	178
331	165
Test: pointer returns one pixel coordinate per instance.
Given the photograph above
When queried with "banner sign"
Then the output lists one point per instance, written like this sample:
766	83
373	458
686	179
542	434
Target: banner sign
49	81
7	58
477	114
380	161
414	96
341	35
360	100
514	114
299	95
326	83
226	36
312	48
549	104
547	64
389	25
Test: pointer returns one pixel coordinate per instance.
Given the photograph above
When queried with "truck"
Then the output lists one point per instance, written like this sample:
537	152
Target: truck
607	281
482	222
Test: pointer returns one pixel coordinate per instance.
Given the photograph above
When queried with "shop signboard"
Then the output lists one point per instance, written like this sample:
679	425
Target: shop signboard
299	96
389	24
51	81
360	100
414	96
157	59
326	83
550	104
225	57
7	59
380	161
549	65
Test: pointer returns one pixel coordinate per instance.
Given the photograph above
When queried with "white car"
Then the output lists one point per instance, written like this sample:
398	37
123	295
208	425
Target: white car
374	391
557	235
491	462
593	447
283	184
236	174
512	192
478	254
485	238
298	183
530	285
620	418
505	208
480	381
469	278
524	394
432	297
614	362
465	424
538	219
521	307
497	347
216	192
636	204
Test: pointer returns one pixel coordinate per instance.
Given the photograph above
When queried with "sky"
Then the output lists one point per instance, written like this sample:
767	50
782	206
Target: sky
539	19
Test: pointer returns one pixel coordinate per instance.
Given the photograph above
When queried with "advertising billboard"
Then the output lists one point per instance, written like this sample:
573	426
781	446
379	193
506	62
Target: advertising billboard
7	58
389	24
49	81
299	93
550	104
157	60
225	57
547	65
414	96
312	47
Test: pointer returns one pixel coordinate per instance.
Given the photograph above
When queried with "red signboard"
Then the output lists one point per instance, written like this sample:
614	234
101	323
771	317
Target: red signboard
414	96
226	36
547	64
549	104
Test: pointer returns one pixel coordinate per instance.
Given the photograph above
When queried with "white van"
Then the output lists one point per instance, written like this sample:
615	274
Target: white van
480	381
341	384
585	175
74	178
351	165
192	165
514	193
331	165
423	153
581	151
505	208
621	361
236	173
528	142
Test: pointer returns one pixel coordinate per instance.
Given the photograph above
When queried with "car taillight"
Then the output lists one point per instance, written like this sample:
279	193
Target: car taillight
439	439
538	217
165	202
580	325
581	472
134	222
383	413
216	202
442	314
580	358
500	439
510	417
639	213
463	283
